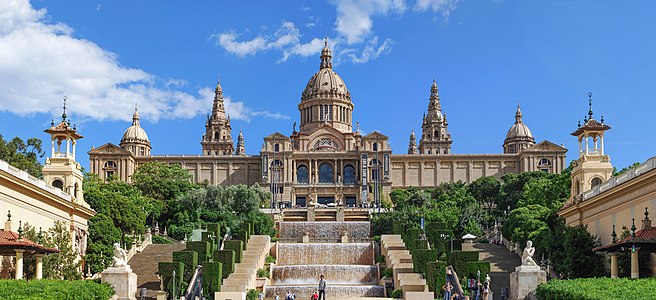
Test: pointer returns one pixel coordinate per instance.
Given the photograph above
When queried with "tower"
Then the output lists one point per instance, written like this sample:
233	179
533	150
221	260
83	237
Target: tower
519	137
61	170
135	138
240	144
412	145
217	139
593	165
435	136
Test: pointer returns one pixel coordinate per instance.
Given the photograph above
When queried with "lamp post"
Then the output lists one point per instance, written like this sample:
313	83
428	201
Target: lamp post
174	297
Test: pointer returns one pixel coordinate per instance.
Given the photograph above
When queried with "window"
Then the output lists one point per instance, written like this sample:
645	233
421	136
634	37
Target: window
58	184
75	190
577	188
326	173
375	146
276	148
437	134
217	135
595	182
277	170
375	169
349	174
110	164
302	174
544	165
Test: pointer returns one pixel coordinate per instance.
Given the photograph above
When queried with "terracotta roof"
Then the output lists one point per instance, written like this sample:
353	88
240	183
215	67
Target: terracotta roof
643	238
9	242
591	125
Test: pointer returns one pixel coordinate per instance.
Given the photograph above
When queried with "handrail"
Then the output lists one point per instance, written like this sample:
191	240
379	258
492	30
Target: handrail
195	288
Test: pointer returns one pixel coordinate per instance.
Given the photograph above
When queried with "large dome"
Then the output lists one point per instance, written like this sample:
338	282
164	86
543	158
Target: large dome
134	133
326	83
519	131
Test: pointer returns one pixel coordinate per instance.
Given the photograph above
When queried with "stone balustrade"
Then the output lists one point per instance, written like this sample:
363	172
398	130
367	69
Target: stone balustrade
245	274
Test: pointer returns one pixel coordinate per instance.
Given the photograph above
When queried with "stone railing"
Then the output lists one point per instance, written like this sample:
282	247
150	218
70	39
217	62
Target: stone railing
634	172
138	247
4	166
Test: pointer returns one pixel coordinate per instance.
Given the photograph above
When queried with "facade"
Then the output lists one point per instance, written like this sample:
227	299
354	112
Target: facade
326	160
58	197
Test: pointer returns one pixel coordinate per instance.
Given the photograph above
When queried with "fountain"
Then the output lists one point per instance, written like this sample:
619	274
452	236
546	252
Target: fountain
349	268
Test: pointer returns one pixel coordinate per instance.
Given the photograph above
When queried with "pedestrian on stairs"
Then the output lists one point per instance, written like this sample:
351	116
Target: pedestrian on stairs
322	288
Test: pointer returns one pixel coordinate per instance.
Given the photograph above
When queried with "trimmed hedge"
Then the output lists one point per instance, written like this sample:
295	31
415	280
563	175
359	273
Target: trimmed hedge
420	244
161	240
54	290
212	278
397	228
235	245
214	243
436	276
165	270
459	259
214	228
473	266
420	257
202	248
241	235
227	259
190	261
434	226
597	289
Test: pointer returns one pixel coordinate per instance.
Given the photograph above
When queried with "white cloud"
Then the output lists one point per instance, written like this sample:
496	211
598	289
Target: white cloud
40	62
229	42
445	7
354	17
371	51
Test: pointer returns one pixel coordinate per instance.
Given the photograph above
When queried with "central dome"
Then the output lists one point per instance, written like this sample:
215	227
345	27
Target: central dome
326	83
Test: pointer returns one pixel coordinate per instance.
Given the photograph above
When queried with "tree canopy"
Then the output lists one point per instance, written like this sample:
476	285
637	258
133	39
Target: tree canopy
23	154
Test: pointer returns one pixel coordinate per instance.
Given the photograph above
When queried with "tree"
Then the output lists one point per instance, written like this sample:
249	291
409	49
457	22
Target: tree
485	190
544	192
23	154
526	223
623	170
162	181
578	259
102	235
62	265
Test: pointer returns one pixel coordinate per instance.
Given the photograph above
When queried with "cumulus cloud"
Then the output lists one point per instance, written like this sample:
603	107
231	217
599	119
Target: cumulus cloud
445	7
370	51
42	61
354	17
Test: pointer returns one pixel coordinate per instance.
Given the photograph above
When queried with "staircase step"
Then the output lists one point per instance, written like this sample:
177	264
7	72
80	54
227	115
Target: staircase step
144	264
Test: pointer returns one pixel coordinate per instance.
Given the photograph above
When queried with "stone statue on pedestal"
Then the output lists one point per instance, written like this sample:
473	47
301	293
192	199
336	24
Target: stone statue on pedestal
527	256
120	276
120	257
526	277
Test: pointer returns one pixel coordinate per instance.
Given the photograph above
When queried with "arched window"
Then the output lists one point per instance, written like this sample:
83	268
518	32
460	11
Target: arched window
577	188
58	184
326	173
375	146
75	190
375	169
276	148
110	164
302	174
544	165
217	135
349	174
595	182
437	134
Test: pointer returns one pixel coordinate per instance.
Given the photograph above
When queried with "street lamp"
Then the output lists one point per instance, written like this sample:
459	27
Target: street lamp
445	236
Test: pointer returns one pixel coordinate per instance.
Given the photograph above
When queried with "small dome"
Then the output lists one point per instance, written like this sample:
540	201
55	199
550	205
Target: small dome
519	131
326	83
134	133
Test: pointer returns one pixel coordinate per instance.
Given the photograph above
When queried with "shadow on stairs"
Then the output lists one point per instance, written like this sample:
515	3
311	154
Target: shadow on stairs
144	264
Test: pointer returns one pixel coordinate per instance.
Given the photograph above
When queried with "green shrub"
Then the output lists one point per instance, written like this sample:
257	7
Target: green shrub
420	257
252	294
190	261
474	266
214	242
269	259
235	245
49	289
227	259
597	289
396	294
388	273
212	278
380	259
161	240
263	273
436	276
202	248
241	235
459	259
436	226
214	228
420	244
397	228
410	236
165	271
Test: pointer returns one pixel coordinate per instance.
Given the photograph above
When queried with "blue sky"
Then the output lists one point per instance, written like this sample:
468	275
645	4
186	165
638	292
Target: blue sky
486	56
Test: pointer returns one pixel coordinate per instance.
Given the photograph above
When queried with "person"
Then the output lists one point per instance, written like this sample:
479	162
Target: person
486	290
477	290
289	296
322	288
447	290
277	296
261	296
315	296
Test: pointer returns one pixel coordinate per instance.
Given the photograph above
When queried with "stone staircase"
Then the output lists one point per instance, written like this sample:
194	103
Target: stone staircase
144	264
245	274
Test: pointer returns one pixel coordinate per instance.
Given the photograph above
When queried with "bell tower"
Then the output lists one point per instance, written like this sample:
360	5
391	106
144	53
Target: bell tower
217	139
61	170
435	136
593	165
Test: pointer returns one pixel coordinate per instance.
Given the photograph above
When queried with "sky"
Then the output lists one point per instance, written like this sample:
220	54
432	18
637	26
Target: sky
487	56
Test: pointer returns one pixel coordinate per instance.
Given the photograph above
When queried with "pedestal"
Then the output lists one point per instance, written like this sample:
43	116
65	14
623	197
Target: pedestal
524	280
123	281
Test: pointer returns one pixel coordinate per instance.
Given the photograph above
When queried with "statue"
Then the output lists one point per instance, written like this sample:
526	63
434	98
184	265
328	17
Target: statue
527	256
120	257
294	127
357	126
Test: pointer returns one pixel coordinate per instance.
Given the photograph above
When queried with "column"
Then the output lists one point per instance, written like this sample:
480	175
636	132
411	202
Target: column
602	143
19	263
580	146
635	273
613	265
39	266
73	149
587	145
68	146
52	151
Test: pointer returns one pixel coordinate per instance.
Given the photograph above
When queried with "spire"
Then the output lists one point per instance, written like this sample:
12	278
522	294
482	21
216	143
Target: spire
326	56
218	90
64	113
590	104
412	146
518	115
240	144
135	117
218	110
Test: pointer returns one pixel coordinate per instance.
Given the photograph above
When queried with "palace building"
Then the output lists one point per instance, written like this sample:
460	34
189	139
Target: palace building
326	160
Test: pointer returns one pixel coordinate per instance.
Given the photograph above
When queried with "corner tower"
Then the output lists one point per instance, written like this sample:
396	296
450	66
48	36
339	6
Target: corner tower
593	165
326	100
217	139
519	137
61	169
435	136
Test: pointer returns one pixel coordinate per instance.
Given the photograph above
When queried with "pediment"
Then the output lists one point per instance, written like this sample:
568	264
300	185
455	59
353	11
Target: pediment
375	136
545	146
276	135
108	148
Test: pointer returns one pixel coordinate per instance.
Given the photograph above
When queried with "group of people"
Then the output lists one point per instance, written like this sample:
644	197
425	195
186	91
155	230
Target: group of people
478	291
320	293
